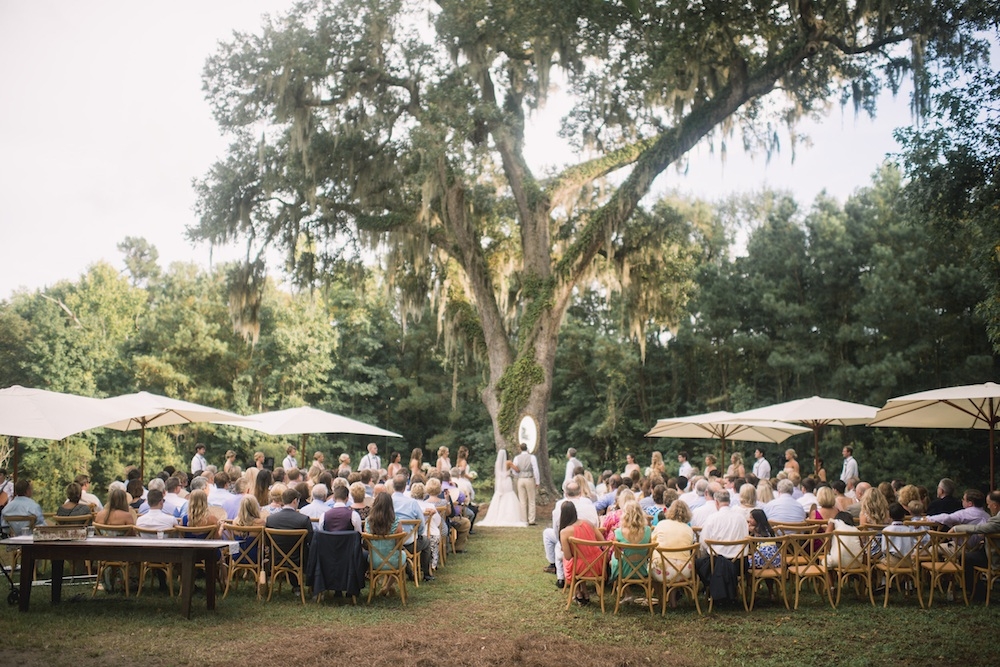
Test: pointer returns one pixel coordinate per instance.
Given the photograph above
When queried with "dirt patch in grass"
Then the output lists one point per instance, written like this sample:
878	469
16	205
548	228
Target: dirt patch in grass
413	645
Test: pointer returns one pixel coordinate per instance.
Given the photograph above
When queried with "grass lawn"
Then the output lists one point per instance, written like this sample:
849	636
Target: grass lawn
490	606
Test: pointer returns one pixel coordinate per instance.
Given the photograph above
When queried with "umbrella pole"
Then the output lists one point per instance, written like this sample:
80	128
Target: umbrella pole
142	453
815	449
13	443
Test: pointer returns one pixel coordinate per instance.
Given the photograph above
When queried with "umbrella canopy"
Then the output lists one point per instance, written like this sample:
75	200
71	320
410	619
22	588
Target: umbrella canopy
968	406
815	412
48	415
724	426
145	410
304	420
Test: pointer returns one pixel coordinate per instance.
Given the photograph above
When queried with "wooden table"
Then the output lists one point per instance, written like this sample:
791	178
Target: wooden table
187	552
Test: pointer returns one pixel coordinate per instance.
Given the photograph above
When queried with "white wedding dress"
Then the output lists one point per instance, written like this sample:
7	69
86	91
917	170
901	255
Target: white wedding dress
504	509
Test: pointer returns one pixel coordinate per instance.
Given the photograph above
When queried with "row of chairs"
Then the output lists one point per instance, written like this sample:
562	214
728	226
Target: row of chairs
798	555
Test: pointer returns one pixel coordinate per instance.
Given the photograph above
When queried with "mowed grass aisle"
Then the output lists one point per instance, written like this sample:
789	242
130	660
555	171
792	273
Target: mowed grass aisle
490	606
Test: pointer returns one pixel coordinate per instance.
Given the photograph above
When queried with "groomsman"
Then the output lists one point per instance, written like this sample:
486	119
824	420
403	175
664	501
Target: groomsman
525	484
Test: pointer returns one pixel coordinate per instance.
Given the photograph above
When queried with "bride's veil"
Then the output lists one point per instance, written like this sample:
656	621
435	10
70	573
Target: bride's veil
501	466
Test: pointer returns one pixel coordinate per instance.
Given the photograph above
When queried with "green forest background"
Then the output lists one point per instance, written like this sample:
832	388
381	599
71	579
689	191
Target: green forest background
861	300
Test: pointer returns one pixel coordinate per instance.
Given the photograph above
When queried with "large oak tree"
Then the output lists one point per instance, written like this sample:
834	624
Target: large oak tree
400	126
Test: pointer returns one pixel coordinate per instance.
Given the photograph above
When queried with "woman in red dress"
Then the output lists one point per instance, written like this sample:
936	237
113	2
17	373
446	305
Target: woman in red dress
593	559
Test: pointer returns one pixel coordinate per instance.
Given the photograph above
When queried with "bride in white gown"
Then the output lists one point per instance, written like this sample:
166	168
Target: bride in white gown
504	509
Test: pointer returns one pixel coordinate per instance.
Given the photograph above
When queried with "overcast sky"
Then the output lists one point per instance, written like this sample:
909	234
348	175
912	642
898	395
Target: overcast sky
103	126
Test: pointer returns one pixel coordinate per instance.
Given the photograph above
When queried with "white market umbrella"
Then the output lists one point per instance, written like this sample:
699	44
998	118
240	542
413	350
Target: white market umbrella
305	420
969	406
815	412
724	426
145	410
47	415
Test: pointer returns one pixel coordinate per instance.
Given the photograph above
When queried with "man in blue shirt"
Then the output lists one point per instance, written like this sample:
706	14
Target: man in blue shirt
408	508
784	508
22	505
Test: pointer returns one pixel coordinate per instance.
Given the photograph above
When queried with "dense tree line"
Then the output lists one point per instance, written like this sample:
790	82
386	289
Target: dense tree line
859	301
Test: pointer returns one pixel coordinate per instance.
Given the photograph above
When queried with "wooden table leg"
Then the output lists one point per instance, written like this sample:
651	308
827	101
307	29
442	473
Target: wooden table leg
211	570
27	575
58	567
187	582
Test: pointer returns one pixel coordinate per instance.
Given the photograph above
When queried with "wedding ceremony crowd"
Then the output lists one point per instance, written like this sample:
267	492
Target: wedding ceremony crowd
372	498
702	507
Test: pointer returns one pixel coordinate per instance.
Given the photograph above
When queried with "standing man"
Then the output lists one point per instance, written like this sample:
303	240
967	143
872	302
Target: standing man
198	462
686	467
525	484
850	465
761	468
290	461
371	460
572	463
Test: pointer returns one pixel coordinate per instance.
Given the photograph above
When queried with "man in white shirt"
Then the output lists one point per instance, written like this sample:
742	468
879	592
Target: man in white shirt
550	536
808	497
761	468
850	465
700	515
371	460
695	498
219	494
686	469
198	461
156	518
290	461
726	525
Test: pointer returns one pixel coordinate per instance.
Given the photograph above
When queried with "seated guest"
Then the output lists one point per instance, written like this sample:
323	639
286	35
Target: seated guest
360	502
979	557
973	511
700	514
136	493
317	507
116	512
419	493
748	499
341	516
408	509
654	510
570	525
550	536
156	518
172	501
839	491
896	548
673	532
765	492
73	505
198	515
784	508
85	495
946	502
633	530
382	521
727	524
826	501
613	517
289	518
808	497
764	552
21	505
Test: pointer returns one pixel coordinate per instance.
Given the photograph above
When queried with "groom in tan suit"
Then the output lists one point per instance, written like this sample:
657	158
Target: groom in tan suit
525	484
